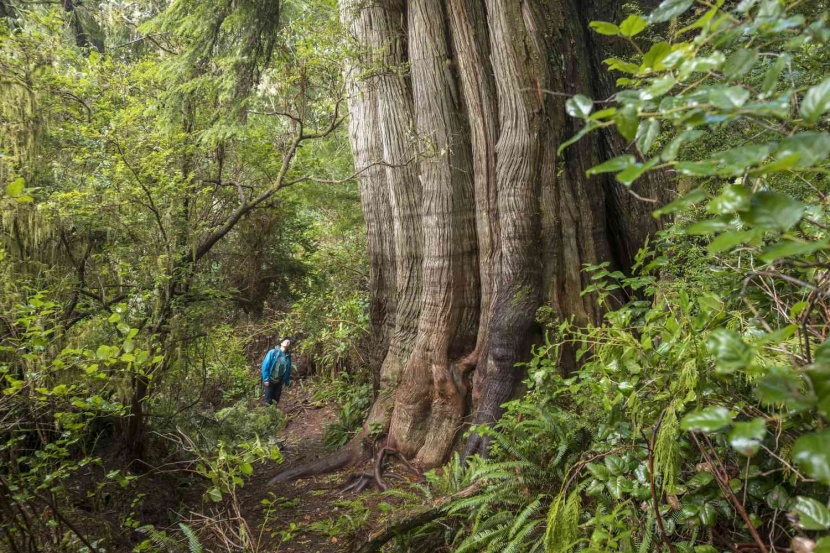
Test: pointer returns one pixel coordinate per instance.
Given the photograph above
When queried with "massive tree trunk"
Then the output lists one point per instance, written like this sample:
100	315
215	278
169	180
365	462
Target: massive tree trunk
489	222
429	402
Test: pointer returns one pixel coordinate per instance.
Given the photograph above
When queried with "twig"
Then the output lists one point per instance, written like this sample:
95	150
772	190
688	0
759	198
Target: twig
723	482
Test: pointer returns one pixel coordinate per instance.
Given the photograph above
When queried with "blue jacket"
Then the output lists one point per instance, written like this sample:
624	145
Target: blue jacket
276	365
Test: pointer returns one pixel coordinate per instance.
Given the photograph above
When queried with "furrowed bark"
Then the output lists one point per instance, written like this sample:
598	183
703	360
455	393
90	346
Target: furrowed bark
471	47
630	220
429	403
364	132
396	121
517	60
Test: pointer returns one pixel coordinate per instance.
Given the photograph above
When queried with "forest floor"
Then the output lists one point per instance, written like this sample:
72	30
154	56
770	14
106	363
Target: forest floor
313	514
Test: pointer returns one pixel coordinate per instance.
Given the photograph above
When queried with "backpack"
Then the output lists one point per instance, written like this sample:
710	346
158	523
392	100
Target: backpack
278	356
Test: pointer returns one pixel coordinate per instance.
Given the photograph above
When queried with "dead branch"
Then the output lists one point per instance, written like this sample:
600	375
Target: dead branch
414	519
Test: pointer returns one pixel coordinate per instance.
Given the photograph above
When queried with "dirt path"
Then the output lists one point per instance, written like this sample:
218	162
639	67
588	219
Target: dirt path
300	503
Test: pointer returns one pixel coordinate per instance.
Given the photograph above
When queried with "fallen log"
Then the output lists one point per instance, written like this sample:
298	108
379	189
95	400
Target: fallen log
412	520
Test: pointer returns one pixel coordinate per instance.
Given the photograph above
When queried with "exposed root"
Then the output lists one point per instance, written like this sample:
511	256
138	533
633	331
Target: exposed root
343	457
359	483
362	481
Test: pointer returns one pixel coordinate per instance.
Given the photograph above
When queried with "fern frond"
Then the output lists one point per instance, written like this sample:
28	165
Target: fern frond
193	544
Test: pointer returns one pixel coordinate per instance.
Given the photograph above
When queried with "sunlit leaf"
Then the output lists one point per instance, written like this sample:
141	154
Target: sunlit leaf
669	9
613	165
710	419
746	437
632	26
15	188
817	101
605	28
811	514
579	106
773	211
740	63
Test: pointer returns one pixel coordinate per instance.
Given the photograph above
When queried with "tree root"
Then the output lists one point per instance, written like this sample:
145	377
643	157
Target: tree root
366	479
343	457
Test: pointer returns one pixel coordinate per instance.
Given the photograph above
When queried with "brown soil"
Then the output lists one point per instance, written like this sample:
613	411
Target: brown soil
305	502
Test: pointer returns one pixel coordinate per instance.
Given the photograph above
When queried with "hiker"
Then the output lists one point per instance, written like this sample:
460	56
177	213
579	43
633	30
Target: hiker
276	371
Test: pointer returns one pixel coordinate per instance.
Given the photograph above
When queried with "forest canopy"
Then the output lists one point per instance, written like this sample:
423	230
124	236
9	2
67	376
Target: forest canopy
554	273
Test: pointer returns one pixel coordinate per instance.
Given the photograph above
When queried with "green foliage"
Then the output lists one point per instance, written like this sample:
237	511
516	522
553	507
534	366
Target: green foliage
354	398
158	201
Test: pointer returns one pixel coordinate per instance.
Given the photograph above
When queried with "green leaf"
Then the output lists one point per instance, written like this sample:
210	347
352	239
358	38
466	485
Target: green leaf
697	168
811	514
736	161
630	174
820	381
730	351
613	165
647	132
778	498
782	386
728	98
215	494
671	150
817	101
653	59
627	122
746	437
669	9
773	73
821	356
700	479
773	211
790	248
740	63
600	472
605	28
696	195
811	453
733	238
708	226
659	87
632	26
732	198
15	187
246	469
103	352
822	545
708	515
616	64
579	106
710	419
615	464
806	149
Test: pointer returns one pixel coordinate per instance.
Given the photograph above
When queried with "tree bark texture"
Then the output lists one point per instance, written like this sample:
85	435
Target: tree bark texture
473	219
